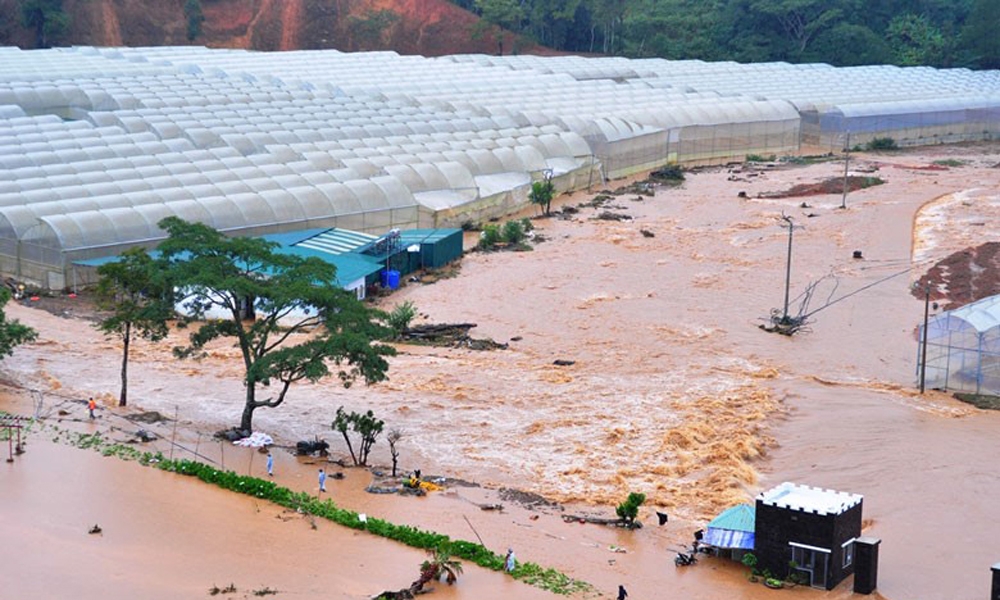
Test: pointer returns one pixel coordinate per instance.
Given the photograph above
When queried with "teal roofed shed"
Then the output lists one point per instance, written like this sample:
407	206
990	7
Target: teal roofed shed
438	247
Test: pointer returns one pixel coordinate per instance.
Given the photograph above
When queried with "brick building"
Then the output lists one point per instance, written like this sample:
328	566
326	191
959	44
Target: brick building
808	531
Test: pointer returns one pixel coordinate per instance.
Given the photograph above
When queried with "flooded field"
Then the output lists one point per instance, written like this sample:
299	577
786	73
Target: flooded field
673	390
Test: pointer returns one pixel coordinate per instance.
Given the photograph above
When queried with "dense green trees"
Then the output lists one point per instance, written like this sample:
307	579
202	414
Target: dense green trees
47	18
195	17
980	36
940	33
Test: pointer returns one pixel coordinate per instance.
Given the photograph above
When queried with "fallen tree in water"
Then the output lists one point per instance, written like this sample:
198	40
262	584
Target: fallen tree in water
452	335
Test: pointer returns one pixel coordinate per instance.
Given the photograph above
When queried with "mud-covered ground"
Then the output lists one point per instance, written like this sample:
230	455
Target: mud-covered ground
668	387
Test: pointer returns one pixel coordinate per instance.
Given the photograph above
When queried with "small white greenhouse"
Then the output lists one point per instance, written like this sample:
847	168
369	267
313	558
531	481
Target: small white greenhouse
963	349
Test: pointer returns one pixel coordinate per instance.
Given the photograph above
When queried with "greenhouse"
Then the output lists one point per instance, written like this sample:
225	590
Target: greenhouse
963	349
97	145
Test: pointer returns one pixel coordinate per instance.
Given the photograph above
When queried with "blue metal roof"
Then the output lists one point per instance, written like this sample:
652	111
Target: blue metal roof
335	241
339	247
741	517
350	267
290	238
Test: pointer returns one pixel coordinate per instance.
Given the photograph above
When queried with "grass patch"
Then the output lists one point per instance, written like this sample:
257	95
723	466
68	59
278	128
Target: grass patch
950	162
980	400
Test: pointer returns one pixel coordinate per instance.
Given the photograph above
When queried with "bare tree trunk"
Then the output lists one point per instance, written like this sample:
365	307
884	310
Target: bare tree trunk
246	422
126	338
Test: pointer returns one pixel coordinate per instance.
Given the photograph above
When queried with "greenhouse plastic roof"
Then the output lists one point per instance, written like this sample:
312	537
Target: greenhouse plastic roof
98	144
982	315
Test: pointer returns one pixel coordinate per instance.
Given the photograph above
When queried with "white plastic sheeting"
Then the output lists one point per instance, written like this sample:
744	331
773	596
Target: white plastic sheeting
98	144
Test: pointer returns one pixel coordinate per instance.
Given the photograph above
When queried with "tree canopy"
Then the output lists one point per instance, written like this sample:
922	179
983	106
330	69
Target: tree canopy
940	33
47	18
12	332
289	319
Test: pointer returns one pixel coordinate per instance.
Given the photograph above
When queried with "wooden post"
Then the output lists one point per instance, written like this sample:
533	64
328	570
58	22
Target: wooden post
173	434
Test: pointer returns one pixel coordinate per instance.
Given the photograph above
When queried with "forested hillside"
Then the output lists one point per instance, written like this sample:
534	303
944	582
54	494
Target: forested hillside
427	27
941	33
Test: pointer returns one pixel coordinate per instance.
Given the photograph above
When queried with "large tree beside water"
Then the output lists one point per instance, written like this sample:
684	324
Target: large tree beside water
285	314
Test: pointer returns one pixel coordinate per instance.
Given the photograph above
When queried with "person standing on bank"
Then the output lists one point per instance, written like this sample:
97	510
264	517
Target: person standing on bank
270	465
322	480
622	594
91	406
510	561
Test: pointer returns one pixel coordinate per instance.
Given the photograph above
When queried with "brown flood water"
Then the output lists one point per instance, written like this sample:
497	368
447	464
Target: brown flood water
675	392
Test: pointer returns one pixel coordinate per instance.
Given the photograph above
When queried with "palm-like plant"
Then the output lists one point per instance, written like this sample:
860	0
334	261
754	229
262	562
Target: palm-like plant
440	562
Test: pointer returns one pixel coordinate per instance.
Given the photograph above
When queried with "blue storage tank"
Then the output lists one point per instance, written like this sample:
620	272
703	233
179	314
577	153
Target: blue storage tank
390	279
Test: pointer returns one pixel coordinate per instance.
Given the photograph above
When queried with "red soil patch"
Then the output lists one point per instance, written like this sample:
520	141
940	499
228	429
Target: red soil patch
964	277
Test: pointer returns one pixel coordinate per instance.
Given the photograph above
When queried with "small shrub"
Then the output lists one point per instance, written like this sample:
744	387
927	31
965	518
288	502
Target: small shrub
629	510
527	224
759	159
542	193
490	237
365	425
882	143
670	173
399	318
513	232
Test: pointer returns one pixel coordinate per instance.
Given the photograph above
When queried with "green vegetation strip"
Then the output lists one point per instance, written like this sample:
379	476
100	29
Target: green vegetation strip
980	400
530	573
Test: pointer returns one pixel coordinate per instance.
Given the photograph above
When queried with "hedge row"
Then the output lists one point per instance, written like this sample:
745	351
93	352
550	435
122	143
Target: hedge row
530	573
533	574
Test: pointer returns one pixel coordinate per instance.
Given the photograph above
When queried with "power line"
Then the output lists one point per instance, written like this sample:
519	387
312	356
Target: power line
858	291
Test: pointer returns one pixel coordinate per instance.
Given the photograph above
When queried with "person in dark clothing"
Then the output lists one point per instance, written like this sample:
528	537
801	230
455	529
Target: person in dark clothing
622	594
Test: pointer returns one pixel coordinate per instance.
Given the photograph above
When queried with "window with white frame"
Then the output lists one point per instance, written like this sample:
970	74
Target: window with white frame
848	549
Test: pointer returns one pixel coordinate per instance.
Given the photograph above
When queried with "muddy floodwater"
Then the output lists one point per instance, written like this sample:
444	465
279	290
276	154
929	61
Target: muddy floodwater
673	391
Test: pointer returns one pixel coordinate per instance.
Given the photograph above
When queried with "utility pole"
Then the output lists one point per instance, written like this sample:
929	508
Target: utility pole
923	349
847	161
788	266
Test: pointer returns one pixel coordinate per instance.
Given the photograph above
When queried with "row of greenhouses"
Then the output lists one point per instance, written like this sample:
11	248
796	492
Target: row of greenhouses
97	145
